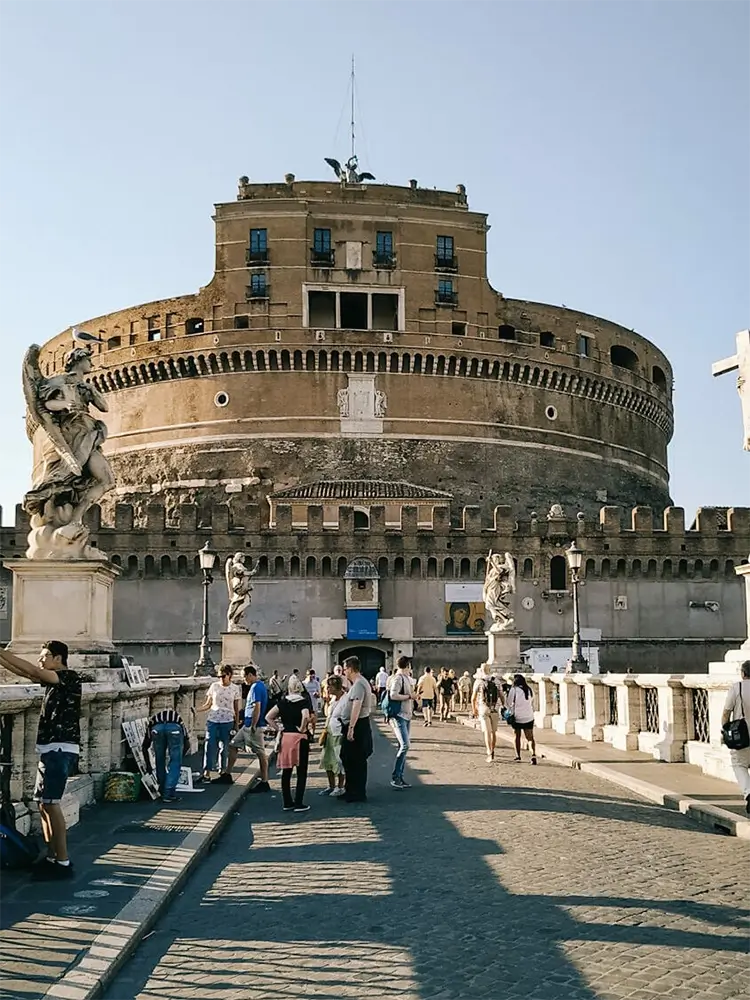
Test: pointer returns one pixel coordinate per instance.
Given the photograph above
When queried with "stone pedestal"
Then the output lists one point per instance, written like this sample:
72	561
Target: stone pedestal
504	653
237	648
69	601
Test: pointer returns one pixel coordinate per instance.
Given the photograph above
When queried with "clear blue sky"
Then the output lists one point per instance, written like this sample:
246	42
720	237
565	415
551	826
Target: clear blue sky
609	143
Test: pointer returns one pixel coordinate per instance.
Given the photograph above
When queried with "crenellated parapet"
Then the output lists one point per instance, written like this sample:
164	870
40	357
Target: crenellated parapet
316	540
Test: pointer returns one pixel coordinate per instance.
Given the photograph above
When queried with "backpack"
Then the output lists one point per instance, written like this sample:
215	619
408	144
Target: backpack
390	706
490	694
16	850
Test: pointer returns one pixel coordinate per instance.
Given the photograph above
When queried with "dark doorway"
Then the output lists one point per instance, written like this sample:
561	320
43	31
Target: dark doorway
353	311
370	660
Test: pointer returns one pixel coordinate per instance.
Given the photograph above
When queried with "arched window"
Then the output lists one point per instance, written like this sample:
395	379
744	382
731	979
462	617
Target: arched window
182	567
326	569
166	566
558	573
682	569
149	567
651	571
605	570
698	569
398	566
311	566
341	566
361	519
635	569
590	570
481	568
729	569
464	570
449	571
528	569
294	566
432	568
623	357
415	570
666	569
659	378
278	566
262	565
622	569
383	566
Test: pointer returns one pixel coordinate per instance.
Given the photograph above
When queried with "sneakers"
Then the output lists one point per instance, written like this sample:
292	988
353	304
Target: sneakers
404	784
337	793
170	798
288	809
533	760
490	758
262	786
52	871
327	791
399	783
302	809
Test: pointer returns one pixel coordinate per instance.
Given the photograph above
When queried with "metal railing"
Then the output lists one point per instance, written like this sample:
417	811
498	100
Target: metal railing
446	298
445	263
614	715
322	258
701	727
651	705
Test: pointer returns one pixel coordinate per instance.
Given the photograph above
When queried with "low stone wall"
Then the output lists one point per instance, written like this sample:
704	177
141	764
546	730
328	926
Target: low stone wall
104	707
674	717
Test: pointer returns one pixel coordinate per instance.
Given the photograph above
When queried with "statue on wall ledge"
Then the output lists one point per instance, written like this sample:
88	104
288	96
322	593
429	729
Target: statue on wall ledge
239	589
70	471
499	588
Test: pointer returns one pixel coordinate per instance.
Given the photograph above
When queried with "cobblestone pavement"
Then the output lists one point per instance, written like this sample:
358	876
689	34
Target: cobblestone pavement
502	881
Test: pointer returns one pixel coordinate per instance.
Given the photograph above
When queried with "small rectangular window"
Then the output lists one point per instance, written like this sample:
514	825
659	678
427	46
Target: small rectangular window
458	329
154	334
547	339
445	286
584	346
322	241
445	247
194	325
258	240
506	332
258	285
384	243
241	322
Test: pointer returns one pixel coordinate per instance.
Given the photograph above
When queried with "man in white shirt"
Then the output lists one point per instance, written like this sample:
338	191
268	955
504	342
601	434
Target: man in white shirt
381	683
401	689
737	706
427	692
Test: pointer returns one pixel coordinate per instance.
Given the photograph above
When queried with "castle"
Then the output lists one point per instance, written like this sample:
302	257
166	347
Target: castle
349	387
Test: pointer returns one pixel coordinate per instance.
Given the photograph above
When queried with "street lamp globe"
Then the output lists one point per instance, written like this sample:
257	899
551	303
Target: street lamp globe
574	556
207	556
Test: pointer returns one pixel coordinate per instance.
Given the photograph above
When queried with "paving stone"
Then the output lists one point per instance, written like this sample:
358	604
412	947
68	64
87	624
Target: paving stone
505	882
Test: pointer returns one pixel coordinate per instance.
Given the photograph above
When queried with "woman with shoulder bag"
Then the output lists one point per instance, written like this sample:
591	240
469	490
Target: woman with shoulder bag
293	713
735	732
330	740
519	713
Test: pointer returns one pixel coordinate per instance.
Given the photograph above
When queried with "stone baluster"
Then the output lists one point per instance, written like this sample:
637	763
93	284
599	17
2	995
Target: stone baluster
597	706
565	722
546	704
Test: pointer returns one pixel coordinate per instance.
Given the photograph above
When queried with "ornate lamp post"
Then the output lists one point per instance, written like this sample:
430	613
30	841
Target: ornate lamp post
577	663
204	665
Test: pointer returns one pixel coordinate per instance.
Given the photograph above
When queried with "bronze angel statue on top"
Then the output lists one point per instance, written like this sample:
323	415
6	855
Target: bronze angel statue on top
239	589
70	471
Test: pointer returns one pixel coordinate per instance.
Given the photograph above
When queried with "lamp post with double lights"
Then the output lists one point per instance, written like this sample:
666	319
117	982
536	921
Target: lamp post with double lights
204	665
577	663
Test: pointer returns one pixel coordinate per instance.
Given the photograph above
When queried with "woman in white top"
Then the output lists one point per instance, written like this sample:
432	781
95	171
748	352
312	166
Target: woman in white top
223	702
330	759
520	707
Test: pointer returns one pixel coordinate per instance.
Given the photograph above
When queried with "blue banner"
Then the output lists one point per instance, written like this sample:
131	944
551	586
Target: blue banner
362	623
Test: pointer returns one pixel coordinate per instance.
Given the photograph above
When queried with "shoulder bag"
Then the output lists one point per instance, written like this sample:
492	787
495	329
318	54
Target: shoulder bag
735	734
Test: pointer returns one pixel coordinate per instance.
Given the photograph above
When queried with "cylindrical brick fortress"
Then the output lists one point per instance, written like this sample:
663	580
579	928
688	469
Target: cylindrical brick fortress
350	332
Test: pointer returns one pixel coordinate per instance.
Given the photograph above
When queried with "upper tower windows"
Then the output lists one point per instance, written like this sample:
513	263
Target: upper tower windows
321	254
257	252
445	294
383	255
445	258
258	286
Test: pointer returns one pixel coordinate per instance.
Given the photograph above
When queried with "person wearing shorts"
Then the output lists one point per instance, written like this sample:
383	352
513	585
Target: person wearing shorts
250	737
58	745
426	692
484	700
520	706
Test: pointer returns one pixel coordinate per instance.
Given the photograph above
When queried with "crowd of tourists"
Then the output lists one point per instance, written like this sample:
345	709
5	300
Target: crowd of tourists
288	715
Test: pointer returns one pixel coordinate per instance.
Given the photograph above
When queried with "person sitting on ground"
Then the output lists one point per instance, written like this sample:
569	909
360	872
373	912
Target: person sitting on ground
484	701
223	704
330	759
292	715
520	708
426	691
168	735
57	743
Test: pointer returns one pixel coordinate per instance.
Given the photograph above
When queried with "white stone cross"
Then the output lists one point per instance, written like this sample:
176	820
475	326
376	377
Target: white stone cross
740	363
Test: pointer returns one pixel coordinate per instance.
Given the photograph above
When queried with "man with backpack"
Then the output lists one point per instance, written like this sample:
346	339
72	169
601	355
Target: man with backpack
485	697
58	745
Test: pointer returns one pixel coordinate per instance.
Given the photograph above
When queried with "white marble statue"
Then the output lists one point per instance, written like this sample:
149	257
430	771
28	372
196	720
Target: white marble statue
239	588
740	363
70	472
499	587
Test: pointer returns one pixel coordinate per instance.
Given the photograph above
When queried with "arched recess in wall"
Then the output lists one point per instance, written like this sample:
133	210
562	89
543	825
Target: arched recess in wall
464	570
415	570
326	569
622	569
729	569
294	566
383	566
590	570
166	566
666	569
623	357
558	573
149	567
432	568
528	569
341	566
651	570
481	568
311	568
605	571
182	566
398	566
278	566
361	517
449	571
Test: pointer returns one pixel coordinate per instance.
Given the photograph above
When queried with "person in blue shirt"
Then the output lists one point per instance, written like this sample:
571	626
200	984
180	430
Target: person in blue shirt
250	737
